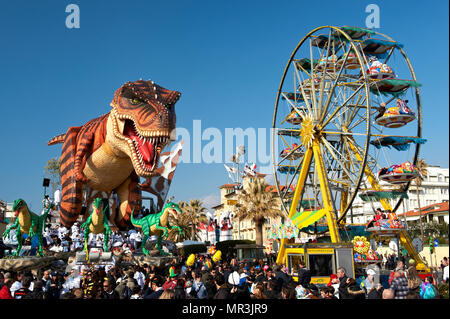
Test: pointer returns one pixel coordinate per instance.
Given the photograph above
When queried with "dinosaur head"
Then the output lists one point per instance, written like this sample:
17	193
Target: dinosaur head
18	206
173	209
97	206
143	118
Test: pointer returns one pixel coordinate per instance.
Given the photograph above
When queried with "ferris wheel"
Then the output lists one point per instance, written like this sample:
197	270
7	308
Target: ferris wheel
347	122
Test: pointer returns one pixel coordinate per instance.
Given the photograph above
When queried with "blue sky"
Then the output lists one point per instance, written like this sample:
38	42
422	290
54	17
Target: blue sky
226	57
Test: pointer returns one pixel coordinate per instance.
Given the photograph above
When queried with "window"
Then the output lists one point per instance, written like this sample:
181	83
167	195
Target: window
293	261
320	265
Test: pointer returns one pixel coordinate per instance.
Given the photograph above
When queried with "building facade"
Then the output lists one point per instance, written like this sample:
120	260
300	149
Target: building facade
434	190
226	210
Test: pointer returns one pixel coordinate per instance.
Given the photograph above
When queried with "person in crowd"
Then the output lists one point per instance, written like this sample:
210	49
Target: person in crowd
354	291
343	284
167	294
375	292
428	290
288	292
156	288
37	293
414	281
108	291
199	287
24	290
399	285
17	284
5	289
388	294
334	283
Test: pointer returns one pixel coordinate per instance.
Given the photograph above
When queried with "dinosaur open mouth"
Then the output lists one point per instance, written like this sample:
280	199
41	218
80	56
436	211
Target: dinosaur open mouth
147	148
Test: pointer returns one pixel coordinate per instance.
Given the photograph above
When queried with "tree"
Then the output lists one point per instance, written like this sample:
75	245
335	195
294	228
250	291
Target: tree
193	214
423	172
183	221
197	214
53	170
257	204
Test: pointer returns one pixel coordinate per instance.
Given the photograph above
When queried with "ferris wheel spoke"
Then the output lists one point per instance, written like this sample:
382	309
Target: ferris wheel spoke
324	124
327	102
337	156
305	98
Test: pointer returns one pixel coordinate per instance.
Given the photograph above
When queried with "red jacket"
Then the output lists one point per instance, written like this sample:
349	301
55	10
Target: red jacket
5	293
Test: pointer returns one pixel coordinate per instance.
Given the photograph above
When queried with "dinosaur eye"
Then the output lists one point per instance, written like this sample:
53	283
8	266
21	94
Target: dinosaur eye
135	101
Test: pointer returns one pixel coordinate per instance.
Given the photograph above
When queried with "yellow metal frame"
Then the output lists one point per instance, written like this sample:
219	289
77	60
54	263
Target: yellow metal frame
315	251
404	237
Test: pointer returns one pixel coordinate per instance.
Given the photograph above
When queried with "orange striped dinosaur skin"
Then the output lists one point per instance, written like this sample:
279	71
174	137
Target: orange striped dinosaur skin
111	152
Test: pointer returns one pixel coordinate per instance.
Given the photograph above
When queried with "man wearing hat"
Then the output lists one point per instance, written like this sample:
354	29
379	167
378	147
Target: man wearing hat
157	289
171	279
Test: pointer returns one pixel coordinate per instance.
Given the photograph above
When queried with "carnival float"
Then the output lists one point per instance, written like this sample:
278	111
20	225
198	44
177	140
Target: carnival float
106	158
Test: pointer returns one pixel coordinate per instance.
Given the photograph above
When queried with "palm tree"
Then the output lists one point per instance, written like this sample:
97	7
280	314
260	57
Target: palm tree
183	221
197	214
258	204
423	172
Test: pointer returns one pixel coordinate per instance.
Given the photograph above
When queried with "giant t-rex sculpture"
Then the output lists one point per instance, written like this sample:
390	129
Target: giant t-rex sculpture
109	153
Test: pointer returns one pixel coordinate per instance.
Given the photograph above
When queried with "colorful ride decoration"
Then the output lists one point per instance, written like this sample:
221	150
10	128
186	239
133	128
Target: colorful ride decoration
362	249
292	153
328	63
190	260
268	247
157	224
212	250
280	231
307	217
378	70
377	195
294	118
111	152
398	174
27	222
351	63
399	143
392	87
308	86
397	116
217	256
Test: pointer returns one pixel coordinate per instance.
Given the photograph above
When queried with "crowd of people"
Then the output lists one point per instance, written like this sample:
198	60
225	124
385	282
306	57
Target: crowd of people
227	279
204	279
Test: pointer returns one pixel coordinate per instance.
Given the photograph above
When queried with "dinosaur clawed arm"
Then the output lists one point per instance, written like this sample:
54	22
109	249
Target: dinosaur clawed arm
81	156
146	184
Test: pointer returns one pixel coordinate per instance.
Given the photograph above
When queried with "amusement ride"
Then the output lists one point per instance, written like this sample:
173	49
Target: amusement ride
347	122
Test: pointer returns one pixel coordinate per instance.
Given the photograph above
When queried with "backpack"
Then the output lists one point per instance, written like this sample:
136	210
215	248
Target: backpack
427	291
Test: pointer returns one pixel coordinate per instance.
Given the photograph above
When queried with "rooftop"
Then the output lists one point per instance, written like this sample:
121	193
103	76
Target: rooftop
430	209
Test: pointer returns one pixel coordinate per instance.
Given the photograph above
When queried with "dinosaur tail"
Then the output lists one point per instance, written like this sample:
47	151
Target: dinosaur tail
72	191
57	139
135	222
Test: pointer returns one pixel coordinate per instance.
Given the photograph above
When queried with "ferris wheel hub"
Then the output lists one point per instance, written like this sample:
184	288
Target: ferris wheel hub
307	132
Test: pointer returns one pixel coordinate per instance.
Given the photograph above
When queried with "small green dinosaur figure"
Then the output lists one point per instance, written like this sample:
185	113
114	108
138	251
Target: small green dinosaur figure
154	224
97	223
27	222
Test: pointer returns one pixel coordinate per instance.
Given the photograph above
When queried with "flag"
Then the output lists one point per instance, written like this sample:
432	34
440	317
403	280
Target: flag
230	170
250	169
